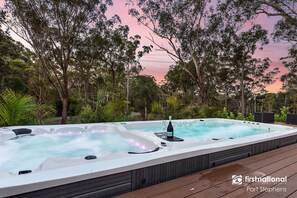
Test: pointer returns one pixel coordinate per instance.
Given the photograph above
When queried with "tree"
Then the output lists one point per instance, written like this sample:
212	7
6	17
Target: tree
269	102
285	8
52	29
249	74
15	64
144	91
178	83
190	29
285	30
109	47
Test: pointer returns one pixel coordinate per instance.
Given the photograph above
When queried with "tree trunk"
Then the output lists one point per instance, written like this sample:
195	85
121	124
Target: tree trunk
113	78
86	89
145	110
242	91
128	89
255	105
205	101
65	98
64	110
226	98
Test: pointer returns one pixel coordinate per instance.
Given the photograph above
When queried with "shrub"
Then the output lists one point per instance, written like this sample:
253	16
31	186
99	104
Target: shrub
114	111
75	106
44	112
16	109
209	112
283	114
250	117
173	104
223	114
157	112
189	111
87	114
239	116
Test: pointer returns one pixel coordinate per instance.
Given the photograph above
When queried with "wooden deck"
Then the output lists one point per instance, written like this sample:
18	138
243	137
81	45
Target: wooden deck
217	182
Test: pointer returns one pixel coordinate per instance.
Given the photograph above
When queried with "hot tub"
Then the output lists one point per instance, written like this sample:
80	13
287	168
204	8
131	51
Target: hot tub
50	161
42	149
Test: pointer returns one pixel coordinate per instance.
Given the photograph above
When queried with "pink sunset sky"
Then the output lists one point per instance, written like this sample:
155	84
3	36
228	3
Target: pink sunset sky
157	63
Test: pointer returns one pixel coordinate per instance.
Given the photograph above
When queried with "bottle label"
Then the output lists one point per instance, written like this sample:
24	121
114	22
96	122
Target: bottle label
169	134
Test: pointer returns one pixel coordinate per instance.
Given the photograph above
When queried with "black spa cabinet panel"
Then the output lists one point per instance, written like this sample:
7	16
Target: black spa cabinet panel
288	140
265	146
149	176
291	118
223	157
264	117
107	186
258	117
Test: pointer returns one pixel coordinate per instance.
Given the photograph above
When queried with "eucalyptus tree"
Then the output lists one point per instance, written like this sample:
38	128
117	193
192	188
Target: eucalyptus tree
177	82
85	61
190	28
287	9
284	30
144	91
2	17
52	29
15	64
118	53
248	74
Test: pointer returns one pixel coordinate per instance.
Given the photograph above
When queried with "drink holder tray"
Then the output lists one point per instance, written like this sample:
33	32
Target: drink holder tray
174	139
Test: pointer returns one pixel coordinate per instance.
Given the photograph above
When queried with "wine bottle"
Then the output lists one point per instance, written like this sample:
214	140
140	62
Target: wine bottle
170	129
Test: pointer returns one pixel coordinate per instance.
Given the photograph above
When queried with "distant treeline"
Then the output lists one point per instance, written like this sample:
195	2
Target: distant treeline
84	65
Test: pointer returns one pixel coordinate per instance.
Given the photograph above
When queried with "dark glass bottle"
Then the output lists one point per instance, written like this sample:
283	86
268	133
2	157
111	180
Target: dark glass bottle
170	129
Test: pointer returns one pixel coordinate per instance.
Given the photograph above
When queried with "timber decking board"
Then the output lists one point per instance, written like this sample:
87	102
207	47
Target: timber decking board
290	188
164	187
216	182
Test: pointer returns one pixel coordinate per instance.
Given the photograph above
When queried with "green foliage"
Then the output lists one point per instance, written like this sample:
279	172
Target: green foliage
214	112
283	114
157	108
104	111
215	65
173	106
44	112
87	114
209	112
114	111
188	112
239	116
16	109
14	64
144	90
157	112
269	102
250	117
231	115
75	105
223	114
55	34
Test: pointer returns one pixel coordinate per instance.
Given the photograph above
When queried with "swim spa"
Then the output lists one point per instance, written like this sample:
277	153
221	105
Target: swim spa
129	155
204	130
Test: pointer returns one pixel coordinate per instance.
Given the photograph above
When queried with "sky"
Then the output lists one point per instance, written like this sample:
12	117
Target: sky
157	62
